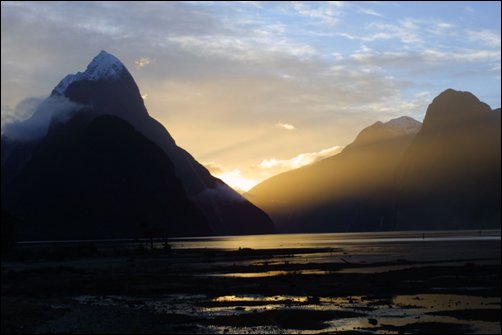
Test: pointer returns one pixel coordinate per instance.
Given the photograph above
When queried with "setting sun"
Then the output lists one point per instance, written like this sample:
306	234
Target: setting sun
237	181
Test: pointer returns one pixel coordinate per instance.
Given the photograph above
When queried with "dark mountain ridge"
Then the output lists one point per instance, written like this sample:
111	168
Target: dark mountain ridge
399	176
106	88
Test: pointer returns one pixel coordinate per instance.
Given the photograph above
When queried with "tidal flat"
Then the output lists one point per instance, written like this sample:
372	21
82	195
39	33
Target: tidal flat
413	282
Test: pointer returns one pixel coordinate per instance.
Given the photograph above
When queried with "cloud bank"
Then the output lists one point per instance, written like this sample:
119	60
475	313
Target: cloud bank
220	75
42	114
243	180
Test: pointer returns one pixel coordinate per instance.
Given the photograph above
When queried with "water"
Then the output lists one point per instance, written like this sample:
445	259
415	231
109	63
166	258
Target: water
321	248
315	240
269	283
277	241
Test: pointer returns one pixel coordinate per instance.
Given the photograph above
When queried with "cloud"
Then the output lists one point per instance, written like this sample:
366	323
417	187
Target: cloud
144	96
256	4
487	37
406	30
299	160
52	109
21	112
256	48
469	9
338	4
285	126
142	62
370	12
243	181
325	13
226	71
424	57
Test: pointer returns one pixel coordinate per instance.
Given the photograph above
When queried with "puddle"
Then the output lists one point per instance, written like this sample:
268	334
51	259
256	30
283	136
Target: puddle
256	314
268	273
402	313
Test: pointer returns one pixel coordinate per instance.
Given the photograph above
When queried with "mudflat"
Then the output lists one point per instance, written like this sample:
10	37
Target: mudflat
377	284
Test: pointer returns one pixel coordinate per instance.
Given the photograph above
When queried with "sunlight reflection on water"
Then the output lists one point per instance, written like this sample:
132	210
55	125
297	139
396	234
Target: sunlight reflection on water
279	241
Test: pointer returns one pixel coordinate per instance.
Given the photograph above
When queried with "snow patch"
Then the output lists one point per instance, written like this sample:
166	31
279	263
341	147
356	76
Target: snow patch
405	124
103	66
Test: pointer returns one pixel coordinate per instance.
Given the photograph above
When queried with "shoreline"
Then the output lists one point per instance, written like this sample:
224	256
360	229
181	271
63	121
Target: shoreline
404	286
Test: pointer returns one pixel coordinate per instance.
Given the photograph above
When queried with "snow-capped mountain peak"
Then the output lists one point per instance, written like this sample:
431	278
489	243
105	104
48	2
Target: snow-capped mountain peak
103	66
405	124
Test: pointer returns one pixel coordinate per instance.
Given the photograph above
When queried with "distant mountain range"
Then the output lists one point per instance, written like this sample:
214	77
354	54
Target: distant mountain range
399	175
91	163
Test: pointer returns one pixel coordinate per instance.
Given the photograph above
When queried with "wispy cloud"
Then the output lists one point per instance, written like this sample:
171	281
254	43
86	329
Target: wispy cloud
23	110
487	37
370	12
424	57
142	62
285	126
243	180
299	160
256	4
232	70
259	48
325	13
42	113
407	31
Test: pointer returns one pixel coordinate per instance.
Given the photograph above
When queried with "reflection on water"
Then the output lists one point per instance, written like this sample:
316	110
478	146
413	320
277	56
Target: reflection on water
372	314
257	284
258	297
329	239
385	314
268	273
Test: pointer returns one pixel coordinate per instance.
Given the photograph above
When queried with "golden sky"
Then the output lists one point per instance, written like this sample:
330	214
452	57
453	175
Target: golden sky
252	89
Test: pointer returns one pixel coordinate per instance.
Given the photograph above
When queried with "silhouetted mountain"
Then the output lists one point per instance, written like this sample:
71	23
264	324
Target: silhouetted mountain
8	225
103	181
352	191
69	116
451	175
447	176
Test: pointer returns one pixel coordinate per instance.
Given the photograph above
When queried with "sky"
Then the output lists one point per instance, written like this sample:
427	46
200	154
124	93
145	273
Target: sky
250	88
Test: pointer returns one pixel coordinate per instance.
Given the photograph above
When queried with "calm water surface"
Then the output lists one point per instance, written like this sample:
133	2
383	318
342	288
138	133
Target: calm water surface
330	240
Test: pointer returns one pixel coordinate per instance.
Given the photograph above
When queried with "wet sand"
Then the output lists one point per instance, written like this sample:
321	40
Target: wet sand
366	286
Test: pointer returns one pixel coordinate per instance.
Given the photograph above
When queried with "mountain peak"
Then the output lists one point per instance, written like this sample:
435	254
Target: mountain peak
451	107
104	66
381	132
405	124
454	94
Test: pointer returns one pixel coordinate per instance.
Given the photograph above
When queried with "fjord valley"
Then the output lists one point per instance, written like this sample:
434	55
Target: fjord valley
399	175
92	164
251	167
114	203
